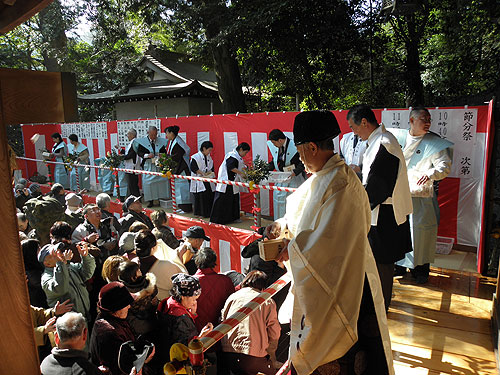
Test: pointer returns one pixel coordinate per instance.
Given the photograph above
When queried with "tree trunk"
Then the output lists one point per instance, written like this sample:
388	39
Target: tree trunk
228	79
415	94
52	28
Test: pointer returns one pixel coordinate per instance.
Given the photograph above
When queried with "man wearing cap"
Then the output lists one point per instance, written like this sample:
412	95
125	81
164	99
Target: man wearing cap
386	182
62	279
135	213
285	159
69	356
193	239
336	289
111	328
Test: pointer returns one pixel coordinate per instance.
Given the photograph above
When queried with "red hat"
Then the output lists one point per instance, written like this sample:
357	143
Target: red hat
114	296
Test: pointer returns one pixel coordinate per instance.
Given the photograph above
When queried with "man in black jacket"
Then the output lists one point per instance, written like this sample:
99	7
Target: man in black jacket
132	161
134	209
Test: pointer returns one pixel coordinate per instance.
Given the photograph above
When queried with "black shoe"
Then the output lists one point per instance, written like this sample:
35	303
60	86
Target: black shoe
399	271
421	279
150	204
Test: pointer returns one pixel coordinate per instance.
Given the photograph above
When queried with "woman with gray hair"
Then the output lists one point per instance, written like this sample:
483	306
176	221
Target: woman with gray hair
103	201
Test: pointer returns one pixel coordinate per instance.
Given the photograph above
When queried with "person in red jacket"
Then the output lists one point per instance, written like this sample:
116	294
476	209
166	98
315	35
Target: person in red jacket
216	288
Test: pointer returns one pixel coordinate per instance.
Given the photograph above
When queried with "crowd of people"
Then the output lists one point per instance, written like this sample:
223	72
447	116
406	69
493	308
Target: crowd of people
100	282
113	281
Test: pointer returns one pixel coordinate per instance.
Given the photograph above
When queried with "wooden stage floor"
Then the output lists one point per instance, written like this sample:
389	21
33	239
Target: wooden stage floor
442	327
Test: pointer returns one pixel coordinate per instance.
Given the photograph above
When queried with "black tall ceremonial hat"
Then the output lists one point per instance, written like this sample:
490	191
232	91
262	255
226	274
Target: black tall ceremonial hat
315	126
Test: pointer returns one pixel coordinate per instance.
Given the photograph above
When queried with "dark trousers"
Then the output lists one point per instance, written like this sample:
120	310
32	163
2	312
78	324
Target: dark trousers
243	364
386	274
133	184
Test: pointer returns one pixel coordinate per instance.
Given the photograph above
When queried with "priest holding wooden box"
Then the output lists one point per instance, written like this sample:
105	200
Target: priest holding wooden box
339	323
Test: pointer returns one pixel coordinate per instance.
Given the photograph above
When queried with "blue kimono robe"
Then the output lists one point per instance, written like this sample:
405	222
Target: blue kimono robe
154	187
60	171
106	178
83	172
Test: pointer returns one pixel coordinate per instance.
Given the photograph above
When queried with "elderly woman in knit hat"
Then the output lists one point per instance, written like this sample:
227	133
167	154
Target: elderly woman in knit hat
111	328
178	312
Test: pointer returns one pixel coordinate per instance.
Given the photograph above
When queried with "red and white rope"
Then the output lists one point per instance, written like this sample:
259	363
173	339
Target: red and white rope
232	321
193	178
77	179
174	202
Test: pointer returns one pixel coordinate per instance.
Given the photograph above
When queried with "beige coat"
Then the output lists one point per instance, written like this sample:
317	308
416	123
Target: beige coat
329	215
39	316
258	334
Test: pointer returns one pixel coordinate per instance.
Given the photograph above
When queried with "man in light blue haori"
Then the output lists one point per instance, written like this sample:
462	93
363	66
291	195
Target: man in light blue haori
149	148
80	181
428	158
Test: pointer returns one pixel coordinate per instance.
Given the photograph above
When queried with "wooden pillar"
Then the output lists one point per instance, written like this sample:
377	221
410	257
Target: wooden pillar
25	97
17	342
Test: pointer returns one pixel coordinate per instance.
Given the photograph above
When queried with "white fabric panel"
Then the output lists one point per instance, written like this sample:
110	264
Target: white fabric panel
479	157
224	256
102	148
113	138
202	137
245	262
230	141
469	212
93	171
259	147
470	198
289	135
183	136
40	145
265	197
336	144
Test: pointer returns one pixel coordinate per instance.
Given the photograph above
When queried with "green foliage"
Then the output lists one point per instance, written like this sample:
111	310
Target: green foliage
165	163
256	171
323	54
112	159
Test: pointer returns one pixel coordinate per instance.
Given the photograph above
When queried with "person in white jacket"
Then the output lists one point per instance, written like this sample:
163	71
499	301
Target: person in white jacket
428	158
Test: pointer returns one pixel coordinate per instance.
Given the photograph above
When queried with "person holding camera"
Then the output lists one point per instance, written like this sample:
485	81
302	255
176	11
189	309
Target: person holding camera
62	279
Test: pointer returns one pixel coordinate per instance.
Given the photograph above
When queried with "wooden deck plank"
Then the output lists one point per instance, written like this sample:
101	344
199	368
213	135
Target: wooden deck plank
442	327
438	361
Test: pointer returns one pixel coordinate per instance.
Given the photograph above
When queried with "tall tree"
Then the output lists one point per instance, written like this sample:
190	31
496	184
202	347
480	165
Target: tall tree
310	48
202	26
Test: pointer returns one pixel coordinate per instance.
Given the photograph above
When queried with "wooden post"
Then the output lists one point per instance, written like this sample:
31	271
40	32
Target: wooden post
17	342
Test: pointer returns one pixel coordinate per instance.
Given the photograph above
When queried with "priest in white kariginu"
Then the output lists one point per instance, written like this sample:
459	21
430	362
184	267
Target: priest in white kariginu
428	159
339	325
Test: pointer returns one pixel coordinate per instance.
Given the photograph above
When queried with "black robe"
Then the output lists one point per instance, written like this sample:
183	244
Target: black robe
389	241
204	200
226	208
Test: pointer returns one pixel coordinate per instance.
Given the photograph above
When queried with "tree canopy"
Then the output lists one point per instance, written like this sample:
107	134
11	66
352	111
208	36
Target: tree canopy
270	54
